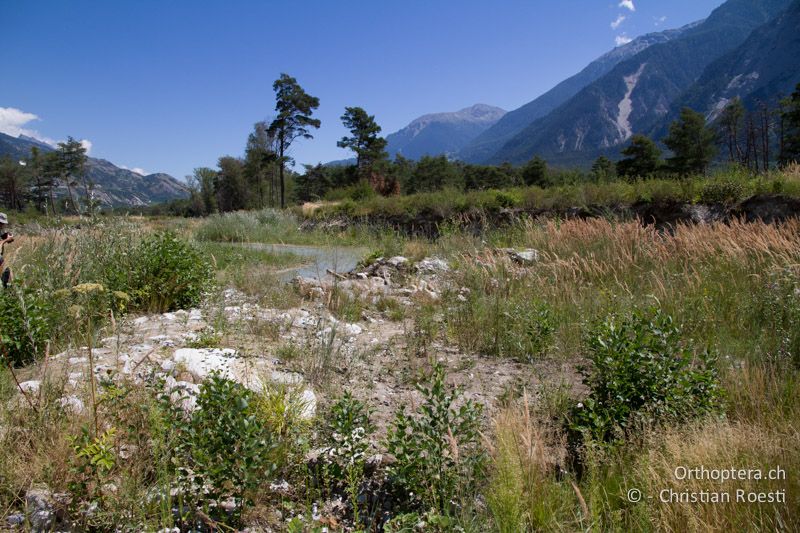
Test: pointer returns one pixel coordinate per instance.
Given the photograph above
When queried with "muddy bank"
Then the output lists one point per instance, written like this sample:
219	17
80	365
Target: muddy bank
770	208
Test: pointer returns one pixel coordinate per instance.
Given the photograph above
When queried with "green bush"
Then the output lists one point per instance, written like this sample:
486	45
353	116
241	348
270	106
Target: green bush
343	459
357	192
225	449
26	320
642	374
722	191
169	274
437	451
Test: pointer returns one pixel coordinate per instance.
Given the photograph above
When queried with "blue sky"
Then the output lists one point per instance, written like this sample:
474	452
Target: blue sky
172	85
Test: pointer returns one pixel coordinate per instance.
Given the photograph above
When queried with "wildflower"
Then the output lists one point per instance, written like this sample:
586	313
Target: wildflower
88	288
61	293
122	296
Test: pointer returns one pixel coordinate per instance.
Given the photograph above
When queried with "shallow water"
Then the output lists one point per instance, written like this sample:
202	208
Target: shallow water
320	259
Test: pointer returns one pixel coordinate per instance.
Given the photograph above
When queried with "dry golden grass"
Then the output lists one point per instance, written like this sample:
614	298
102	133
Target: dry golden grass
722	445
600	246
526	450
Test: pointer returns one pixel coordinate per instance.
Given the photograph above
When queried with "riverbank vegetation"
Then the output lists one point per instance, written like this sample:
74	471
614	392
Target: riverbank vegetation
622	309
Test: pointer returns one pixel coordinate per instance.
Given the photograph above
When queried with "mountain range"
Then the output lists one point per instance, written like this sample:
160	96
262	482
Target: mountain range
113	186
745	48
442	133
642	93
490	141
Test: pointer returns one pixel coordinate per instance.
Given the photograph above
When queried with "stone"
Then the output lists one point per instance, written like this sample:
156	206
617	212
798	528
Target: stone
203	361
309	403
72	404
31	386
16	519
433	265
39	502
525	257
397	261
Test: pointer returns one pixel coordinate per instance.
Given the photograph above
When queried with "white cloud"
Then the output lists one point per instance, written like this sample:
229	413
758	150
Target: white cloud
627	4
616	23
12	121
660	21
622	39
140	171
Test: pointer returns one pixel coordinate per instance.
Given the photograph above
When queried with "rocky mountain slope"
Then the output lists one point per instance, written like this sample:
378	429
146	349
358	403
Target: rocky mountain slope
765	68
513	122
114	186
442	133
637	94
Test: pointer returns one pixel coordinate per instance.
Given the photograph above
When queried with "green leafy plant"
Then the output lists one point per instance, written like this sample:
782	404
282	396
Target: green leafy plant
437	450
642	372
348	433
27	321
722	191
415	522
92	461
225	451
169	274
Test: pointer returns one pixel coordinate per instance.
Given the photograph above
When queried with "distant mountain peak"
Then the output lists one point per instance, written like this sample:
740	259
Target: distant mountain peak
478	113
443	133
34	140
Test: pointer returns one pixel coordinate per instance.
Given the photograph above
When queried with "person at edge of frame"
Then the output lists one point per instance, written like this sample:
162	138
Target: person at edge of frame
5	238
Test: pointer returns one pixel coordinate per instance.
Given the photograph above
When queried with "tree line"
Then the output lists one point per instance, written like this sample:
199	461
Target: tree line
54	182
755	139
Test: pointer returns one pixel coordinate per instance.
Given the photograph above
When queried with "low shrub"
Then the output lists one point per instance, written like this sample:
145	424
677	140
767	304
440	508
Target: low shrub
722	191
26	323
437	451
348	430
169	274
224	448
343	459
642	373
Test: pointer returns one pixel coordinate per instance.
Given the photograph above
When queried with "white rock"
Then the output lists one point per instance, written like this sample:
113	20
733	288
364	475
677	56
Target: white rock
203	361
77	360
285	378
397	260
72	404
31	386
351	330
433	264
309	403
141	320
